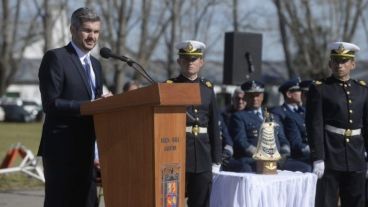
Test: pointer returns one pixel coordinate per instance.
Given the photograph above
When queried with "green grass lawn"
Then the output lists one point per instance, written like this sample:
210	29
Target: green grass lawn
28	134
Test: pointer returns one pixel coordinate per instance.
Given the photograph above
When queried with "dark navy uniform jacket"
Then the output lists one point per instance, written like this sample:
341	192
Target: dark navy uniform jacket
244	128
342	105
205	148
225	122
294	127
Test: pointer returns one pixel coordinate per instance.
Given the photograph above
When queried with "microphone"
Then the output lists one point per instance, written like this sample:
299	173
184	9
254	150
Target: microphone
106	53
249	59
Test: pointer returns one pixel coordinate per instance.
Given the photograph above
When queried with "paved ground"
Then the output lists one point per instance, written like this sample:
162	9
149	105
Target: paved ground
21	198
24	198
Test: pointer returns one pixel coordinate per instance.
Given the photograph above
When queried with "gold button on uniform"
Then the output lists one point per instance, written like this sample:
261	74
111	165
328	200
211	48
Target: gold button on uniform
350	111
350	121
350	101
347	140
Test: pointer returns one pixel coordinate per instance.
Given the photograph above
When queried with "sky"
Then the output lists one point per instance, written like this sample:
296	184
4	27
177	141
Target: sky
263	19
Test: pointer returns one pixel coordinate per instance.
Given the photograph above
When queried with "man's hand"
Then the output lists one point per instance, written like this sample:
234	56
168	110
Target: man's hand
97	164
216	168
226	155
306	150
319	168
285	151
251	150
108	94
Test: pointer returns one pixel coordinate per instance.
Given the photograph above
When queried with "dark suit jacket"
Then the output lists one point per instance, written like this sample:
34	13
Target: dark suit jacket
64	86
67	142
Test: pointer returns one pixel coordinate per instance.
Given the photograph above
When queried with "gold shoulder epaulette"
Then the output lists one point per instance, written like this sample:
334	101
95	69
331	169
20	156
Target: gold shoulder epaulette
169	81
209	84
206	82
362	82
317	82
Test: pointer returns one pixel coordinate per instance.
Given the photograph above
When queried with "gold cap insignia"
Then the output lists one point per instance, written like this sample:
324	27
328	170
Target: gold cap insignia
189	48
363	83
169	81
208	84
340	49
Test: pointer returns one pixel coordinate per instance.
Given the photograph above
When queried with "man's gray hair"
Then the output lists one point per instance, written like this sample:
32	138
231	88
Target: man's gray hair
82	15
237	91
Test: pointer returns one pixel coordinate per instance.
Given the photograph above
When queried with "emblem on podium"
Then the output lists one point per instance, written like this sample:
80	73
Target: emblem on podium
170	185
267	155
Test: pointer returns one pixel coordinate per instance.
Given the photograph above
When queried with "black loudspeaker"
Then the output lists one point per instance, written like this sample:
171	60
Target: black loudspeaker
242	57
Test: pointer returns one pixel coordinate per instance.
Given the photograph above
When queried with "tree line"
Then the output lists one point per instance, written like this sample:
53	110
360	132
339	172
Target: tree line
147	30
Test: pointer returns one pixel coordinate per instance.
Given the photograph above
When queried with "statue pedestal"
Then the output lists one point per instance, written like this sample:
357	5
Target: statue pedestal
266	167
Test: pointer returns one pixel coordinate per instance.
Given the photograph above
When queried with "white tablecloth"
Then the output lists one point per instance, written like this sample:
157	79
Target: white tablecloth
286	189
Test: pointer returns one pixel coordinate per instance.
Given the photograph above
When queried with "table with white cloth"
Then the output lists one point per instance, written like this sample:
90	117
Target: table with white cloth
284	189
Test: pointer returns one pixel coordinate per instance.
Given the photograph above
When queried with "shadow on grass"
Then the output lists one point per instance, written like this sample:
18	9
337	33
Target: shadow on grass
19	181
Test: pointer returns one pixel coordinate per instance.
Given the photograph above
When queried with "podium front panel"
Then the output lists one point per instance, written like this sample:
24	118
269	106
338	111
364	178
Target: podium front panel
125	142
169	133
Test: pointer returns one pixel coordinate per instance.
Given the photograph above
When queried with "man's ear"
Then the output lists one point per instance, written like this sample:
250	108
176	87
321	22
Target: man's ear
353	64
72	29
288	94
202	61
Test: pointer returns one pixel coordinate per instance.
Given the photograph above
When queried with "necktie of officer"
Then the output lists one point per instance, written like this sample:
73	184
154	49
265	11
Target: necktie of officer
87	70
298	109
259	115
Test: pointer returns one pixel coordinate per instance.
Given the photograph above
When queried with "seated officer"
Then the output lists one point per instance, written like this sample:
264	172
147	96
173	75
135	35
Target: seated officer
245	125
237	104
293	122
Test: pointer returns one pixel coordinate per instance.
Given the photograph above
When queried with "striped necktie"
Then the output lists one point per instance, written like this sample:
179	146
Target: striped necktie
259	115
87	70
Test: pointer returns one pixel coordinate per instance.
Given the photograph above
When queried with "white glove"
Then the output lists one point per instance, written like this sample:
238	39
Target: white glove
216	168
306	149
285	150
319	168
251	149
230	149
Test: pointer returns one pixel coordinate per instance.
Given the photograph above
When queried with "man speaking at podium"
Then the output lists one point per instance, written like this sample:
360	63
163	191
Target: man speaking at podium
68	77
203	145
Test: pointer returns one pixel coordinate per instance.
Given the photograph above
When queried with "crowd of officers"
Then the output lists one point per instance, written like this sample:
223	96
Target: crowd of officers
322	127
241	122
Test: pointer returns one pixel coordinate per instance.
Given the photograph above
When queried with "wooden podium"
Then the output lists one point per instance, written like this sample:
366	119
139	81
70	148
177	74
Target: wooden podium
141	141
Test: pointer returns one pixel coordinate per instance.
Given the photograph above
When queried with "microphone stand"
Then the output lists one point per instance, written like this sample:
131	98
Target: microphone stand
141	70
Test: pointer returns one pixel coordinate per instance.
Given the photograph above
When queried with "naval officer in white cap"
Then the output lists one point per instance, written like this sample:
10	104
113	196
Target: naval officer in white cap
337	128
203	145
